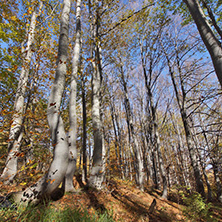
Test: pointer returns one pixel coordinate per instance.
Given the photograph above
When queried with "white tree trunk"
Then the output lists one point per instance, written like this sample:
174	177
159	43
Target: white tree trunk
211	42
97	172
136	148
98	168
15	134
72	104
57	171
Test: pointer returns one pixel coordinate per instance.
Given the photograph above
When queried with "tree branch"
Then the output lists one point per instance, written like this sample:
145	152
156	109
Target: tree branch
210	13
125	19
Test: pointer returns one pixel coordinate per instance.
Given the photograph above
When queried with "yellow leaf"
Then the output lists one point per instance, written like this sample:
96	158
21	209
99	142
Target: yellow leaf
23	183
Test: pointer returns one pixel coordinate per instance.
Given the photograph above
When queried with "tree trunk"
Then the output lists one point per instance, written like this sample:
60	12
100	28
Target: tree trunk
210	40
136	149
190	145
121	146
84	136
98	168
48	184
154	121
218	182
180	156
161	166
209	191
72	104
15	133
115	134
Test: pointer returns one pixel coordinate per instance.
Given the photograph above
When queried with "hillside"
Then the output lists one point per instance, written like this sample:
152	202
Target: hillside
126	202
121	200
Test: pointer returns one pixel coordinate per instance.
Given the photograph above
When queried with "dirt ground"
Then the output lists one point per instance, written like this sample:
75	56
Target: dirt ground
123	200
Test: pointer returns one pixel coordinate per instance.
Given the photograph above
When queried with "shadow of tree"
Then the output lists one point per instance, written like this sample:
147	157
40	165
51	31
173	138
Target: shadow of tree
138	208
94	202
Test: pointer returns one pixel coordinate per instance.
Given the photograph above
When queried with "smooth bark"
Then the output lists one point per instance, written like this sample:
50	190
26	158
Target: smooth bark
48	184
15	134
209	38
84	136
153	112
72	104
98	168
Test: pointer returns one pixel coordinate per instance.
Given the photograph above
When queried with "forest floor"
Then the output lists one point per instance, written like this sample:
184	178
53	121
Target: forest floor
126	203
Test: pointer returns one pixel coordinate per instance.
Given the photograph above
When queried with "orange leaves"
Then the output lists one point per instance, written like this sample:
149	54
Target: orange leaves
50	181
2	156
29	10
13	18
54	144
19	154
90	60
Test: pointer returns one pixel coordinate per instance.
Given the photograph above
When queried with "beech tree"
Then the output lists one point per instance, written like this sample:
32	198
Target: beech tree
174	62
16	134
150	58
207	34
57	171
154	112
131	132
97	173
72	104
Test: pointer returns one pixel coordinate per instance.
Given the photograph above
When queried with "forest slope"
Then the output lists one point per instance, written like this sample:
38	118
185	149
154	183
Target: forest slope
121	200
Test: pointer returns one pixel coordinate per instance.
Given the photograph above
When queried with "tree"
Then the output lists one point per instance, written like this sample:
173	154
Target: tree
16	134
131	132
57	171
207	34
72	104
175	67
98	169
150	58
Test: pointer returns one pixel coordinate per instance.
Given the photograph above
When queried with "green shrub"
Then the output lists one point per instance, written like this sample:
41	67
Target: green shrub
196	209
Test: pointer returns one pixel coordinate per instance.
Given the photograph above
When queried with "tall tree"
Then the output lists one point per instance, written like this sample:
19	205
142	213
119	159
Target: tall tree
47	185
97	173
148	76
132	134
72	104
175	66
207	34
15	135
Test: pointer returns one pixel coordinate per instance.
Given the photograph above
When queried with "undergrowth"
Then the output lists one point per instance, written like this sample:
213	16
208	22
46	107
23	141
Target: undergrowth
44	213
196	208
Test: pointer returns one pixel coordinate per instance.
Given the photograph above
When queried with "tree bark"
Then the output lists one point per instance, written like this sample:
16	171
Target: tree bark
98	168
84	136
72	104
48	184
15	133
218	182
154	120
203	166
210	40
